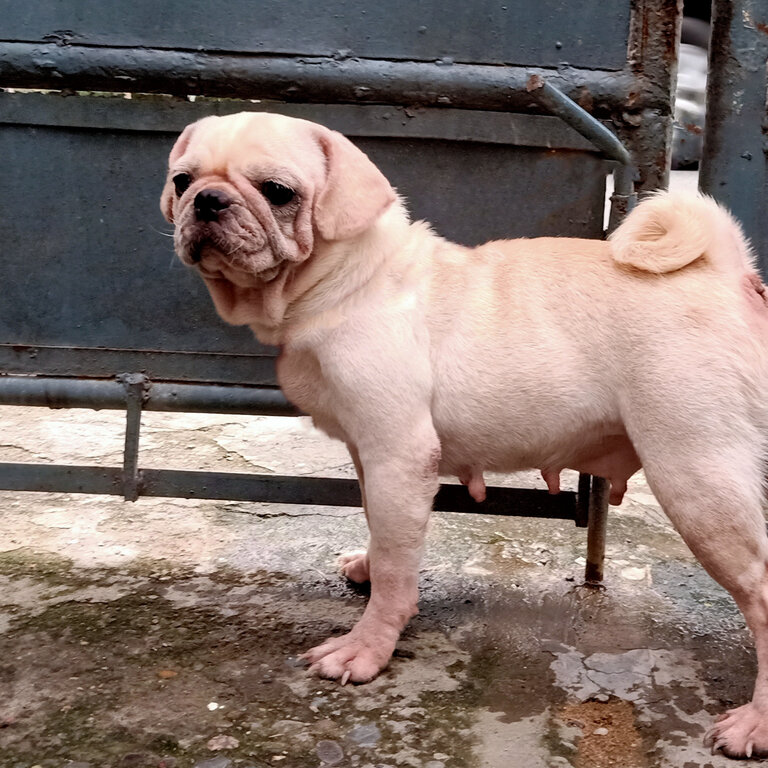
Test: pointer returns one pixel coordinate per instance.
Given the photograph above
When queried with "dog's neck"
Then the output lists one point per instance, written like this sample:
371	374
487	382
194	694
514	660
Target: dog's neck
310	296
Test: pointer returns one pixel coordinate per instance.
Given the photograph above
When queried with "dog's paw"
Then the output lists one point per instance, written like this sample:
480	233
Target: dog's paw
357	656
354	566
740	732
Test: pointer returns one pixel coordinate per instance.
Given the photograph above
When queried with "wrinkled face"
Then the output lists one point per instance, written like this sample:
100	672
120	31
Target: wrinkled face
240	190
251	196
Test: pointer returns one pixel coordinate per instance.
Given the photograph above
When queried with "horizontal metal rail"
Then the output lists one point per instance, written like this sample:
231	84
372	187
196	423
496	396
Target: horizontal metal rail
158	396
274	489
312	79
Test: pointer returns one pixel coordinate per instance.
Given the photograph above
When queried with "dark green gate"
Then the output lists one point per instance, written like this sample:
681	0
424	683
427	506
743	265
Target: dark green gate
450	99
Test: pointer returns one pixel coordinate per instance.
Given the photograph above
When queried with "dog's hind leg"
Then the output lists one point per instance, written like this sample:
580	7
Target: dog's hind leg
709	483
355	566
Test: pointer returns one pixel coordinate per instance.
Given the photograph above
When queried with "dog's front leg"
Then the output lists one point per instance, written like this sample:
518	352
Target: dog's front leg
399	489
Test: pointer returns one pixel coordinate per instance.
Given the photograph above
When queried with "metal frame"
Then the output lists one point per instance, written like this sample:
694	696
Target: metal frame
623	200
634	100
135	392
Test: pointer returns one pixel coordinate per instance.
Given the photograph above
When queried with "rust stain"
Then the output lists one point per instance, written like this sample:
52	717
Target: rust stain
534	83
644	34
693	128
760	26
585	99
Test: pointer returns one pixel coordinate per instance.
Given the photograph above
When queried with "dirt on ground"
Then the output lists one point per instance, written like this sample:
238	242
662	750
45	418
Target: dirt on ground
610	737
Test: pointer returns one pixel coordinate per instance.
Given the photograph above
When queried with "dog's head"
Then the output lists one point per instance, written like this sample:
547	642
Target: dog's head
251	194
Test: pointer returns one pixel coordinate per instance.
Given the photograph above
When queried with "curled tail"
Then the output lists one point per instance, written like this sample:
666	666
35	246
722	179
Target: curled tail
670	230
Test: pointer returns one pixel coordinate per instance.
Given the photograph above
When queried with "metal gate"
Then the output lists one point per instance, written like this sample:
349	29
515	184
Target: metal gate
456	102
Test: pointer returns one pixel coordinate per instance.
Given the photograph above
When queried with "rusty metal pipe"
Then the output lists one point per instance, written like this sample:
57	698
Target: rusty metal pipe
559	104
306	79
159	396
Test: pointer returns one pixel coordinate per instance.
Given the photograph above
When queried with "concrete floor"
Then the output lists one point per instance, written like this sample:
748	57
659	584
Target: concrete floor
165	632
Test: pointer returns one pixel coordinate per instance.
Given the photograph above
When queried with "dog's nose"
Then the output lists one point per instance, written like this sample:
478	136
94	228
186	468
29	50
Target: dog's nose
209	203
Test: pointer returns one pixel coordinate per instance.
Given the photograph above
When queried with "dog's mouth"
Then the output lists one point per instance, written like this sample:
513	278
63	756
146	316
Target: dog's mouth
240	257
246	278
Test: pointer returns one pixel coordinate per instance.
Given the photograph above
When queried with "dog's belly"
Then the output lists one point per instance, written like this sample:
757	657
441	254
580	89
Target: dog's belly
599	449
513	426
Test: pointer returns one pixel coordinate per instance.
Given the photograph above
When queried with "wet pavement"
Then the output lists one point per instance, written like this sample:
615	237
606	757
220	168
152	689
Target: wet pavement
165	633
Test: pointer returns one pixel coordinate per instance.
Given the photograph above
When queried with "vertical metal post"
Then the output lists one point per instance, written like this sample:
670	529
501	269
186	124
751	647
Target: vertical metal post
596	531
135	389
733	163
623	201
624	197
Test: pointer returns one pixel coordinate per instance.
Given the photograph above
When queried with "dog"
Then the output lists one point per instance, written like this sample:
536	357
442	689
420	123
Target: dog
427	358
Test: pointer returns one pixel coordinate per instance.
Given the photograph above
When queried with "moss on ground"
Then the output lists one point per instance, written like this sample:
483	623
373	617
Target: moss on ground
131	677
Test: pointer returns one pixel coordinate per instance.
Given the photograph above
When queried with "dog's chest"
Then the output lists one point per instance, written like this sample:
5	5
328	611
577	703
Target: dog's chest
300	376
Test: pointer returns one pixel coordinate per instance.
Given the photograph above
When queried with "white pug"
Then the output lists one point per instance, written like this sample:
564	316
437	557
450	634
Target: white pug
428	358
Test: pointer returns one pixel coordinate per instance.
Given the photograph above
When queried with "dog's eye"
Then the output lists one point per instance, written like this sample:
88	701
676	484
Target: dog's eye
276	193
181	181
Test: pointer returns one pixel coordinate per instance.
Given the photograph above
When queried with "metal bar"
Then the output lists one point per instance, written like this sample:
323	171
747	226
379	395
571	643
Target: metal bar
596	531
733	164
508	502
559	104
310	79
61	478
652	53
622	201
187	398
272	489
103	363
518	502
275	489
135	386
594	490
624	197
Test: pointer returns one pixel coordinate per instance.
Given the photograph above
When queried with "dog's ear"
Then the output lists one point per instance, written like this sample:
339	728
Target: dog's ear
355	192
169	193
